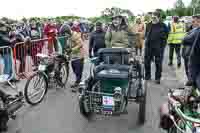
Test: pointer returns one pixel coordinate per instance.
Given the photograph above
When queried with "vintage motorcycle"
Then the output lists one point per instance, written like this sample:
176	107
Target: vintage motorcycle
182	112
52	70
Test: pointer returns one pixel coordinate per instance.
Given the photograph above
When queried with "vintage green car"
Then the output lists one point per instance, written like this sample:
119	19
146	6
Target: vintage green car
115	80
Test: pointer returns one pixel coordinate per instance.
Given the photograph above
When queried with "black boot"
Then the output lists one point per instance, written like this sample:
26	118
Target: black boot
157	81
170	64
179	65
188	83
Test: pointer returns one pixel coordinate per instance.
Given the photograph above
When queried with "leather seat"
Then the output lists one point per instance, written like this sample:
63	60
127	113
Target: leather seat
112	71
114	55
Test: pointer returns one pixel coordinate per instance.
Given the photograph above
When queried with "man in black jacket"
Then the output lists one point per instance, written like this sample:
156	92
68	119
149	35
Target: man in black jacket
187	43
194	61
97	40
155	38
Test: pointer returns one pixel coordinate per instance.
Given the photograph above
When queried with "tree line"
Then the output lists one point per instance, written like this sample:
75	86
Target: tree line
179	9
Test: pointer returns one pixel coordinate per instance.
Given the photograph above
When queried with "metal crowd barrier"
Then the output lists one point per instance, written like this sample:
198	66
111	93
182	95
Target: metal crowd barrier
18	62
25	59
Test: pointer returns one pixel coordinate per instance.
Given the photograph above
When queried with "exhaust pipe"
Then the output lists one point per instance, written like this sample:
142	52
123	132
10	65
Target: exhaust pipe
165	121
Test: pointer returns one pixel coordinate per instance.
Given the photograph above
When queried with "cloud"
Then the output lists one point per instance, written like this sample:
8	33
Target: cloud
87	8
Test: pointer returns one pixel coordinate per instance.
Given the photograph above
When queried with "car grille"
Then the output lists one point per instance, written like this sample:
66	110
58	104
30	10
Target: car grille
95	104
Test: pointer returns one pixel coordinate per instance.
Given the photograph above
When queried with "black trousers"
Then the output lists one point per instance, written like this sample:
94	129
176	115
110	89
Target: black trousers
77	67
186	64
153	54
138	49
177	49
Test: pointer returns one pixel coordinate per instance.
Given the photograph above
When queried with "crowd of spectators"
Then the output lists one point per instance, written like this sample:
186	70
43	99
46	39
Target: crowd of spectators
24	32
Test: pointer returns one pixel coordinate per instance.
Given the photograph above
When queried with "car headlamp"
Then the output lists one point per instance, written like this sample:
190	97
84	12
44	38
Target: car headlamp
81	87
117	94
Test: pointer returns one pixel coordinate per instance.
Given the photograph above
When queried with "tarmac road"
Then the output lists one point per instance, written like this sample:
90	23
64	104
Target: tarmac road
59	112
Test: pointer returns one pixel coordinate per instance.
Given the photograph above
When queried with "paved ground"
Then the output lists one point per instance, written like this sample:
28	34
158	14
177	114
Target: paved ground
59	112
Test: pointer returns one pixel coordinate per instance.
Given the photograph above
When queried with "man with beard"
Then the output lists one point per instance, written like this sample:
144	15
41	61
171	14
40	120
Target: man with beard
155	38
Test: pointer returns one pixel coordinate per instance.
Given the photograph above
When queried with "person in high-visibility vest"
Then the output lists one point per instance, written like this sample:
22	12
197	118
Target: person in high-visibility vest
177	33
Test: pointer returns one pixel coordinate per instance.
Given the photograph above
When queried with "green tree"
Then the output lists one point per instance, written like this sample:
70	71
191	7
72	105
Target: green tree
195	5
179	8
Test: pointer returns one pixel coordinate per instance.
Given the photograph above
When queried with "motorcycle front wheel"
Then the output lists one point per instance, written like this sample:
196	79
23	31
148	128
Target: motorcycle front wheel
64	74
36	88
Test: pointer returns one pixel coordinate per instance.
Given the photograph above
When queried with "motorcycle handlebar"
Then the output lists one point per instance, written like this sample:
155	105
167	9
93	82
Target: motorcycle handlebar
185	117
176	105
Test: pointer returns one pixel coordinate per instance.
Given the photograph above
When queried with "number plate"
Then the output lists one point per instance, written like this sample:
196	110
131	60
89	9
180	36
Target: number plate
42	67
108	101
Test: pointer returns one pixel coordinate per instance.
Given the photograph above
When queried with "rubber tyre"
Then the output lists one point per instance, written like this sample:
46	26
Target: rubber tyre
142	106
67	72
85	114
27	85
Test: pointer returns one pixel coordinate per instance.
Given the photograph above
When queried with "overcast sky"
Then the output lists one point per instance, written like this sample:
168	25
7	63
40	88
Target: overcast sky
85	8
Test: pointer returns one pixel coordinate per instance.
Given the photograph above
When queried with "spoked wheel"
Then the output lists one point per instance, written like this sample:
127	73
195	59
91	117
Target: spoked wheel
35	88
82	106
142	104
64	74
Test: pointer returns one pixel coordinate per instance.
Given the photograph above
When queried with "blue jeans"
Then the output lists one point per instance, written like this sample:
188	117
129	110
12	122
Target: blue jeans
8	64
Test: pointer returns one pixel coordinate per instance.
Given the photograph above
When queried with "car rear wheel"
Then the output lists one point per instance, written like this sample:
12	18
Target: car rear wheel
83	111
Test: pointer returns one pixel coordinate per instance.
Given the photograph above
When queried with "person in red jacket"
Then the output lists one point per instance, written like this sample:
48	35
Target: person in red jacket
50	32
